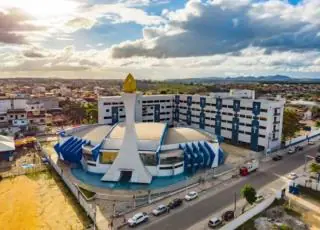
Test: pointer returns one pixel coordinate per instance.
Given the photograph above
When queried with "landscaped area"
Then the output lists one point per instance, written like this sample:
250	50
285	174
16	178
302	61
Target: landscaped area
39	201
283	215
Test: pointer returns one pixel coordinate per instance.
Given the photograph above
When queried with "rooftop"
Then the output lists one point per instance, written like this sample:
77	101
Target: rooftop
145	131
94	133
182	135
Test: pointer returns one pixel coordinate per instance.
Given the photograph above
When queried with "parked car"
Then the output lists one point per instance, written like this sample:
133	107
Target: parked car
160	210
191	196
317	158
259	198
175	203
292	176
228	215
277	158
311	143
215	222
299	148
291	151
138	218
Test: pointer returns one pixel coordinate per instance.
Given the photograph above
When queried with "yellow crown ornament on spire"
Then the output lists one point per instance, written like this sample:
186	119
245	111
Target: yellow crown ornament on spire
129	84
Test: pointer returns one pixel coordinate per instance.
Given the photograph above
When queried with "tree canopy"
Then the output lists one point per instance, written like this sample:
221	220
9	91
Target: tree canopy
290	123
249	193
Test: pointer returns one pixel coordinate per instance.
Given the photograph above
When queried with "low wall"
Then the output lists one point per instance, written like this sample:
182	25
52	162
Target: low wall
299	139
249	214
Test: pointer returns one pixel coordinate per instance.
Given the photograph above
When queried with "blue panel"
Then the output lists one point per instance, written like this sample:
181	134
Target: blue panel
235	130
157	113
218	103
254	134
189	100
189	117
177	99
115	115
206	154
202	120
218	125
202	102
96	150
212	155
67	144
256	107
176	114
236	105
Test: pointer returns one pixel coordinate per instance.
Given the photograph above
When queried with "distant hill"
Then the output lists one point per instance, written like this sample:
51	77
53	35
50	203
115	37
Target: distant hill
247	79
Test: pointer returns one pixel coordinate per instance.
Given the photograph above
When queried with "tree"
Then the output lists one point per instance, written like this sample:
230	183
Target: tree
91	113
315	168
290	123
315	110
249	193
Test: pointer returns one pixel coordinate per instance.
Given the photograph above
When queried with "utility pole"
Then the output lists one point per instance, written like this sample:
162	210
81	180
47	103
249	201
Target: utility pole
235	201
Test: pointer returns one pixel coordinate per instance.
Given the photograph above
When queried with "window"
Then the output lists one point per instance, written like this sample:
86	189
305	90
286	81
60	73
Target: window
107	110
106	103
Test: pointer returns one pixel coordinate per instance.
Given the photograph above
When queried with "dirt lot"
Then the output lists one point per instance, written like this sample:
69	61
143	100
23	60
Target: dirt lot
39	202
236	154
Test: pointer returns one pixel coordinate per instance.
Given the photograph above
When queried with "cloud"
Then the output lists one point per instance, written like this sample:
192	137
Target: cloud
39	59
15	25
223	26
122	13
80	23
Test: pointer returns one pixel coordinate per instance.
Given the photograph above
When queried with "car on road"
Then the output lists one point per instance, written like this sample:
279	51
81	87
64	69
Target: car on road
191	196
175	203
311	143
259	198
160	210
137	219
277	158
292	176
215	222
299	148
291	151
228	215
317	158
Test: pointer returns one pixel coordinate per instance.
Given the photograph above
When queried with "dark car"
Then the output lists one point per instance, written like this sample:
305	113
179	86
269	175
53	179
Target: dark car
277	158
299	147
317	159
175	203
228	215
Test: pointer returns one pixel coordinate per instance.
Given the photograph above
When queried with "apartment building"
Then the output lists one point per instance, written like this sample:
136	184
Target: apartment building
236	116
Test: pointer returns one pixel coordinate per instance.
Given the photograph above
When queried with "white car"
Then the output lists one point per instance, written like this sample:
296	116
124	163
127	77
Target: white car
138	219
259	198
311	143
291	150
160	210
292	176
215	222
191	195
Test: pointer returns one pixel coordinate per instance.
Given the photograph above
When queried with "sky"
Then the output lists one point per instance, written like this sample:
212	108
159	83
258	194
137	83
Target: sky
159	39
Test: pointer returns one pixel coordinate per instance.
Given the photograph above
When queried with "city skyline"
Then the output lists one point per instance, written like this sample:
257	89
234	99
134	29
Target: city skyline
159	39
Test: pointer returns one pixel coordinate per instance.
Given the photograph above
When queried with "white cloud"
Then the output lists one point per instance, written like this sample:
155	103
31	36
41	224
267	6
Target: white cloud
220	27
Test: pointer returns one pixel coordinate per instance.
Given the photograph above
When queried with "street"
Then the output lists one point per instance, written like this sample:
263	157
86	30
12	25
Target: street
184	218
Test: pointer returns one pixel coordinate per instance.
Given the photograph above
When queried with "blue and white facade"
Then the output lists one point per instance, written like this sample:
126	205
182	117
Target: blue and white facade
236	116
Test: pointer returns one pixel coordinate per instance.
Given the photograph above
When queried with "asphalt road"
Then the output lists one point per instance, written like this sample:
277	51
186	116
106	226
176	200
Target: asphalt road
191	215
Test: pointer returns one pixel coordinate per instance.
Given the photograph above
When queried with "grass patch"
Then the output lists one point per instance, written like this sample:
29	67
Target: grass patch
88	194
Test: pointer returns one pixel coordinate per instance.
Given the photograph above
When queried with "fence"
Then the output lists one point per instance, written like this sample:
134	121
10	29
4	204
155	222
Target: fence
249	214
75	191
